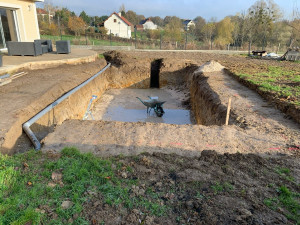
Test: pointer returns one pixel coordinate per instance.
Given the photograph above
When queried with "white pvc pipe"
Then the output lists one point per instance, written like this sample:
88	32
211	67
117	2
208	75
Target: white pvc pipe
26	126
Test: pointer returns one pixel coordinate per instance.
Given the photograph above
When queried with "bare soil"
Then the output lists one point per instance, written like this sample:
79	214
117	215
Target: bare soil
210	189
194	186
256	126
239	64
27	95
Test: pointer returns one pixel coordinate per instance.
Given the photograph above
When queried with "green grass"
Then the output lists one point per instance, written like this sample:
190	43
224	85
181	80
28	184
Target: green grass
296	78
81	172
285	173
81	40
219	187
287	200
276	80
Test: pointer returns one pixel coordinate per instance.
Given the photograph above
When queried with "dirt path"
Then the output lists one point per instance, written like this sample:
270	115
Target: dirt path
251	111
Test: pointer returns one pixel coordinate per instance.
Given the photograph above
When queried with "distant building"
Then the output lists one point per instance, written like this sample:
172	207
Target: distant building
139	27
18	21
148	24
118	25
44	14
188	23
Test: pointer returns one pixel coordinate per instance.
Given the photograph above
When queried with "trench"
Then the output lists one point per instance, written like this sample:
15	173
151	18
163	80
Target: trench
154	76
189	100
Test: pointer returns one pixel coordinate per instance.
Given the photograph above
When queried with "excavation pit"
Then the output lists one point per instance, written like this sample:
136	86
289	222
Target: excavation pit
122	105
122	126
195	113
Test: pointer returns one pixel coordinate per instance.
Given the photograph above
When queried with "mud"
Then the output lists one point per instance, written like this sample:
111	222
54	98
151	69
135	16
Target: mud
122	105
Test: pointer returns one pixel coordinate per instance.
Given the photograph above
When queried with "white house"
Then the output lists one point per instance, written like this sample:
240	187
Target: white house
148	24
18	21
188	23
118	26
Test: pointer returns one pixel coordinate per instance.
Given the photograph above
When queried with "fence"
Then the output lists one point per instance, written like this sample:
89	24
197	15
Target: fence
188	42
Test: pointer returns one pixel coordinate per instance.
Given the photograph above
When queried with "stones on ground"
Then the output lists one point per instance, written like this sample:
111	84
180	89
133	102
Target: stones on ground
56	179
137	191
56	176
51	184
124	175
146	161
66	204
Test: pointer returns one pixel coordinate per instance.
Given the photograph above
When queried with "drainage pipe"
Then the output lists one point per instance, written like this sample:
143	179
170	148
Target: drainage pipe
26	126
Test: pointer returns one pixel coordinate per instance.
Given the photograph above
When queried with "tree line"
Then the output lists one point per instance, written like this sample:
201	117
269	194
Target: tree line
261	26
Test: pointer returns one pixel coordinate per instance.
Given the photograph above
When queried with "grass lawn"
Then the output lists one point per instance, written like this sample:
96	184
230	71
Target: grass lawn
81	40
282	82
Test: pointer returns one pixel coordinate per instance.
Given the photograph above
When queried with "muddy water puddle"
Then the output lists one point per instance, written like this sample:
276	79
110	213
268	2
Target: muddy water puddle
122	105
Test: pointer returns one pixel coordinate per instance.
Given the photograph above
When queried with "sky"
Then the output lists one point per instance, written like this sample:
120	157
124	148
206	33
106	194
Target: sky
185	9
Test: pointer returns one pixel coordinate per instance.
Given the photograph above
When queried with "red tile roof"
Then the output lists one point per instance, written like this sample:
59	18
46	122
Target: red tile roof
41	11
122	18
139	26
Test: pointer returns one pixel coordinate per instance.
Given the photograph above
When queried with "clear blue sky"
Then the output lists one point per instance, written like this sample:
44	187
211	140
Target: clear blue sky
185	9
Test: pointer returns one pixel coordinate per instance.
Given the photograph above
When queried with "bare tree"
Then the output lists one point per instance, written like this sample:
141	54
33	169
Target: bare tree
295	25
263	14
50	8
122	9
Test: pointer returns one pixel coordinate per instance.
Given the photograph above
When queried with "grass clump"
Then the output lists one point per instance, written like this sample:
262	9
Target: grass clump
288	201
285	173
219	187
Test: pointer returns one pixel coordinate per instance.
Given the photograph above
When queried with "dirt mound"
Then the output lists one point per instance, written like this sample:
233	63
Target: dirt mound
117	58
209	67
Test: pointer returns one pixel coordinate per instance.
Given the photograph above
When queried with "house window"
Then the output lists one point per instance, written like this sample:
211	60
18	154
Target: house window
115	20
8	27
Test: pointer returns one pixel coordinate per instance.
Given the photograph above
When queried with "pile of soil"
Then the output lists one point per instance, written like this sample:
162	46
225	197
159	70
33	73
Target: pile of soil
116	58
209	67
211	189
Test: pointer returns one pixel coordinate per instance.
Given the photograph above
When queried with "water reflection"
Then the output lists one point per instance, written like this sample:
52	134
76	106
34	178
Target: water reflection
171	116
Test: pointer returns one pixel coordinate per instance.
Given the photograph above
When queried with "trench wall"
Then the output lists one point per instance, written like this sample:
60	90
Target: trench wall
76	105
204	101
